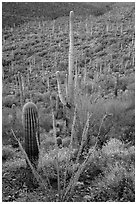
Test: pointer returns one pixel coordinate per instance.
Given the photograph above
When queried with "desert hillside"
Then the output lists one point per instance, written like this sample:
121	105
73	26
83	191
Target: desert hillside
35	45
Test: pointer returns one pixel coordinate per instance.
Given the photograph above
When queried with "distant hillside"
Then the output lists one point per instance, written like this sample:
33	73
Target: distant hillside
15	13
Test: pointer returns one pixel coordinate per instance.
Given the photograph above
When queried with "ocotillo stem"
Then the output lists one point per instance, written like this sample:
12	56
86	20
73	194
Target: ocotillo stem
21	89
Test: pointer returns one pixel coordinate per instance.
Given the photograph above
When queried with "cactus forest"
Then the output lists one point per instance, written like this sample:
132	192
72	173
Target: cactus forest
68	102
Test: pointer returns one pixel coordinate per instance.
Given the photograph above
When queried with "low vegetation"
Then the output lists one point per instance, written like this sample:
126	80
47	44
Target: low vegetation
82	133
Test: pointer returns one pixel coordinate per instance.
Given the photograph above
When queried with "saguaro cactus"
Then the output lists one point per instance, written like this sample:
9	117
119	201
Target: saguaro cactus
69	97
71	60
31	132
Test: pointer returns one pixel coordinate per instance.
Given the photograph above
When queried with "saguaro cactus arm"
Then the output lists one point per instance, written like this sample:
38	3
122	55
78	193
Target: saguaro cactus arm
62	98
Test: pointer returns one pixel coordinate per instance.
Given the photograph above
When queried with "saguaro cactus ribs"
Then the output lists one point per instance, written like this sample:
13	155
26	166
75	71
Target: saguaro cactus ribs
31	131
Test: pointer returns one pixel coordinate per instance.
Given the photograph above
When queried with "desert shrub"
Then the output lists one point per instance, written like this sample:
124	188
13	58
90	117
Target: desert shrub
111	173
122	83
62	66
45	121
117	150
93	168
42	53
116	107
99	48
9	100
46	97
84	107
16	165
107	82
37	97
47	143
7	124
7	153
117	185
47	163
120	122
97	111
130	97
123	119
88	87
66	141
5	88
95	106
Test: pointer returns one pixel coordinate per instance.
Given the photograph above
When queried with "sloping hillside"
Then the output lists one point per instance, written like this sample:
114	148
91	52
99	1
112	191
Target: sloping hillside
106	39
16	13
104	43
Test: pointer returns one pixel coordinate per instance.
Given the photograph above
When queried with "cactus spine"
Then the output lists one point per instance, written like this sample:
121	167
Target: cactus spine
31	132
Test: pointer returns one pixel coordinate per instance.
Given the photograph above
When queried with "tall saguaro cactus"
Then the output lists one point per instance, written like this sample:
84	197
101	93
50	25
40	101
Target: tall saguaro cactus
71	60
31	132
69	99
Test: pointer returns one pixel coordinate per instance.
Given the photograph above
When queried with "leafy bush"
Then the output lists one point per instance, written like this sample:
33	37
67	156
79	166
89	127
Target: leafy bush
112	173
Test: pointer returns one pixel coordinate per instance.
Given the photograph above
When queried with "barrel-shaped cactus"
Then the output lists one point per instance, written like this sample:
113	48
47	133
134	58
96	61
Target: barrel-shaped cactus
31	132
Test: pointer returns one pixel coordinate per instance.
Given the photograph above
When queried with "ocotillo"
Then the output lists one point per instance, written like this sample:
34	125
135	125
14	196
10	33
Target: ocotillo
21	89
14	115
31	131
